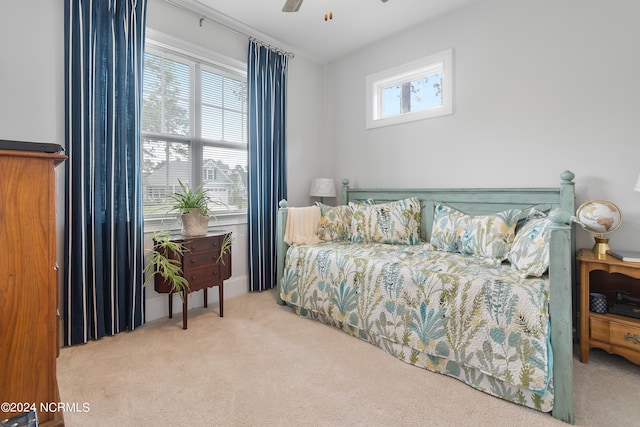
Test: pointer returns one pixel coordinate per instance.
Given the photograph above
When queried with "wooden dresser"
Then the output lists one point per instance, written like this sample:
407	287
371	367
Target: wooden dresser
201	267
28	284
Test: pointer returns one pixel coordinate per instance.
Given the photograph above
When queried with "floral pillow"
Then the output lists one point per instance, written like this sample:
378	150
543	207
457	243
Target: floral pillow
396	223
448	227
491	236
485	236
529	253
335	222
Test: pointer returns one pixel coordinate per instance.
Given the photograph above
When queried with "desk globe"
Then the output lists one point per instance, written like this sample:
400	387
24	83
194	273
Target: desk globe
599	217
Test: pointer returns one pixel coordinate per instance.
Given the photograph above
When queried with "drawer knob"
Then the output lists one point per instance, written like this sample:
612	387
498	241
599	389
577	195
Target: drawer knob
633	338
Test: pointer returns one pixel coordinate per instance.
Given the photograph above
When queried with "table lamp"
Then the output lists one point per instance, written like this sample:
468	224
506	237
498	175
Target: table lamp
322	187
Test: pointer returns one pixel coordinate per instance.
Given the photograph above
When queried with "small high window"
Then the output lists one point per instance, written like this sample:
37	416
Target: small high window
418	90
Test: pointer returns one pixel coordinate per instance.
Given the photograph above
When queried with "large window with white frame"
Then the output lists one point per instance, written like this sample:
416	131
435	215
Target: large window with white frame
194	130
418	90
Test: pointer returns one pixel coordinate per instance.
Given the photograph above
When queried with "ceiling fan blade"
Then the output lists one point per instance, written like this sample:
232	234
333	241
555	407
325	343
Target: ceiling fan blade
384	1
292	5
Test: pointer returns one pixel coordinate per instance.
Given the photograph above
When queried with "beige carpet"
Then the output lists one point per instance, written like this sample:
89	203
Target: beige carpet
262	365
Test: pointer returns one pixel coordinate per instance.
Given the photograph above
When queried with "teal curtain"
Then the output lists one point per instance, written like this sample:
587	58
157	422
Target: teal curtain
267	92
103	285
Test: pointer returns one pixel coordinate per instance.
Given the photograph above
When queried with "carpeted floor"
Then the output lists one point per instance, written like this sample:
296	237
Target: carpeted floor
262	365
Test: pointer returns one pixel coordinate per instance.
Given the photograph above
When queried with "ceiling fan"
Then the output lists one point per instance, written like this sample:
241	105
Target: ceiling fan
294	5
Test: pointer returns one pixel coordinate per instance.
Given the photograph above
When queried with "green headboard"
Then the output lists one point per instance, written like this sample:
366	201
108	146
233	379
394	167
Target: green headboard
473	201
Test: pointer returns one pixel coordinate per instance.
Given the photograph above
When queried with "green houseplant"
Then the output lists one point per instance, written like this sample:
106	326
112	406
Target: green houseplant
189	203
192	204
164	261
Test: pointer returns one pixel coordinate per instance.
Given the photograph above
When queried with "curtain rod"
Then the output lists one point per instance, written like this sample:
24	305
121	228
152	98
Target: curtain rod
268	46
226	26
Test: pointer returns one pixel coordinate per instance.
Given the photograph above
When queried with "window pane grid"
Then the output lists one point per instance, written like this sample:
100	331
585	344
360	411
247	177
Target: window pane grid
173	136
164	164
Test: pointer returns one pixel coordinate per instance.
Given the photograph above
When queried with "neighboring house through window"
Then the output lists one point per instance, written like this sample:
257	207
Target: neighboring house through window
194	128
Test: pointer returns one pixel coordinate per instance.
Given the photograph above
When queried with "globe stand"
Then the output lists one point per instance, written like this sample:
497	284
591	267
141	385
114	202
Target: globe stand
601	247
599	217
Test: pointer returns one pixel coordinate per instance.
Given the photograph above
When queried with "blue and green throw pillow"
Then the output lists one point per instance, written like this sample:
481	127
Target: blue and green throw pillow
396	223
485	236
335	222
529	253
447	229
491	236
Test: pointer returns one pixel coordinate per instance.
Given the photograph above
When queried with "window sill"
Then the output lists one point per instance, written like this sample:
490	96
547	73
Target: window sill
173	225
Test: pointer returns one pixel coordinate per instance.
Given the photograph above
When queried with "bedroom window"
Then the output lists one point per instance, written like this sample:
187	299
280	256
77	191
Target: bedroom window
418	90
194	130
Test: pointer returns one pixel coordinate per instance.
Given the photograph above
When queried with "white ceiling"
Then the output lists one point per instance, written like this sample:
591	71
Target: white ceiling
355	23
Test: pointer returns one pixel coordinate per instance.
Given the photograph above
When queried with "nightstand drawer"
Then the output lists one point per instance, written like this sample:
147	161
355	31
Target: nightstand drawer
625	336
200	259
211	244
200	278
599	330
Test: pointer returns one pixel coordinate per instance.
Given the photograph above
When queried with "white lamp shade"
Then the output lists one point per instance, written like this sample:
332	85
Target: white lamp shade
322	187
638	184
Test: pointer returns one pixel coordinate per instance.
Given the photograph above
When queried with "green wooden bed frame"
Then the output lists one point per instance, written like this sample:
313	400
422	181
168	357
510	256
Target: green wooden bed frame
559	201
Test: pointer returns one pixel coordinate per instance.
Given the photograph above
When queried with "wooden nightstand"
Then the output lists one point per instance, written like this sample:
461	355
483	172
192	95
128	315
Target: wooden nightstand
610	332
201	268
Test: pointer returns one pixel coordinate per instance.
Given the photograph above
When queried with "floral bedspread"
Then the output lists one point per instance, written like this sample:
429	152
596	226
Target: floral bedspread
453	314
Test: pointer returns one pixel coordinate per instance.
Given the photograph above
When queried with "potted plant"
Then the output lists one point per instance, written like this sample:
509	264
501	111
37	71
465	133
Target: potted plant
164	260
192	204
193	207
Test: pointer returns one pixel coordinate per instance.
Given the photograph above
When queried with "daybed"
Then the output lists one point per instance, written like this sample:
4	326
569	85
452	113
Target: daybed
471	283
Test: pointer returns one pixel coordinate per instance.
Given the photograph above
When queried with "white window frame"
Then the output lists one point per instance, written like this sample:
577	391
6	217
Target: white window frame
174	47
441	62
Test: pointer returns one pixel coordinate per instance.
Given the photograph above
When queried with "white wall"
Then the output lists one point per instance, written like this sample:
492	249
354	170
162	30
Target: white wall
540	87
309	151
31	71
